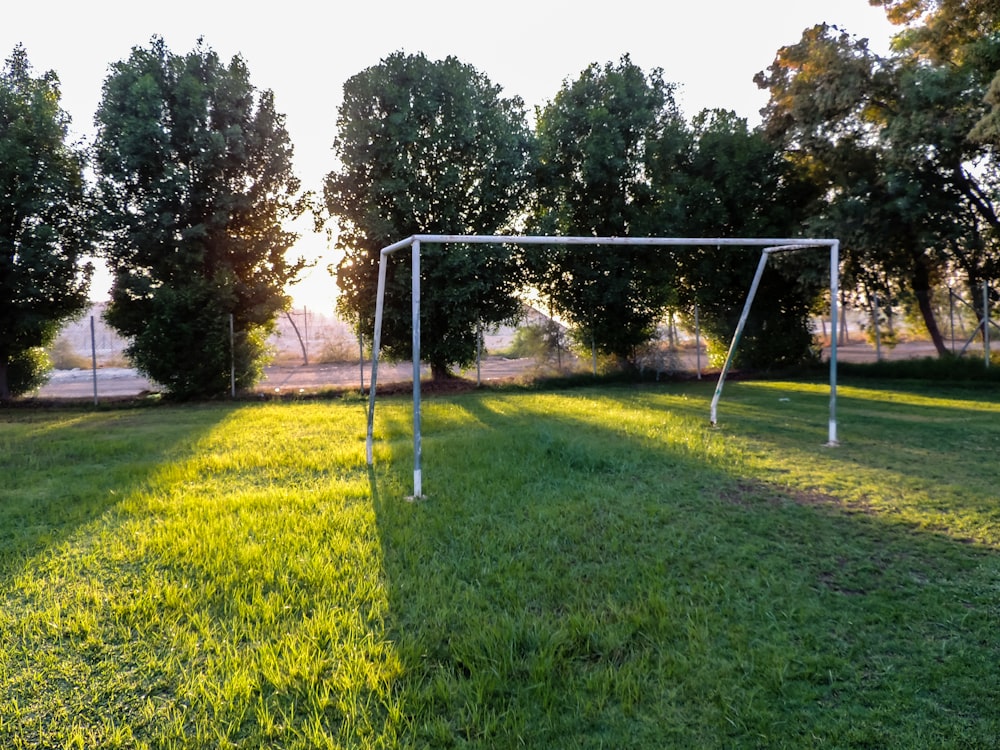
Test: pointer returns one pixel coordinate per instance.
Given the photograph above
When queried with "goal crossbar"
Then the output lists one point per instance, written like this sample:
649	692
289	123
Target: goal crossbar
768	245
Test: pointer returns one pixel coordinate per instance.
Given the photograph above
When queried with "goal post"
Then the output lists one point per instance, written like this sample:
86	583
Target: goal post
769	245
765	254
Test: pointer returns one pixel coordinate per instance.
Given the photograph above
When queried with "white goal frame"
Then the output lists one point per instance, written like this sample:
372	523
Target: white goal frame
414	242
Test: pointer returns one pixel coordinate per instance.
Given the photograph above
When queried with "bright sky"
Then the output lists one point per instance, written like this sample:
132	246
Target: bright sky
305	50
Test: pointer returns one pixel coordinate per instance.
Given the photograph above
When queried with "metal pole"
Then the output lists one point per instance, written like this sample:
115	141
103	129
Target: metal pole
361	358
878	336
376	345
479	352
305	335
480	239
951	317
697	340
232	357
302	342
93	356
739	332
558	335
986	324
845	334
415	285
834	294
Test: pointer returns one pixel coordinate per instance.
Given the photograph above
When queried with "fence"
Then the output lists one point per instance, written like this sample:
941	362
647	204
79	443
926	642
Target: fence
313	350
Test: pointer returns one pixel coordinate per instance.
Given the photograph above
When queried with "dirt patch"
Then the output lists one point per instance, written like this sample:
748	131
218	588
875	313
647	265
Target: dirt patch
747	493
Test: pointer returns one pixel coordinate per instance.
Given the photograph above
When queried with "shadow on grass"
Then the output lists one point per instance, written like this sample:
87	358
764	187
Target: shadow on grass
915	454
601	569
595	568
65	468
67	667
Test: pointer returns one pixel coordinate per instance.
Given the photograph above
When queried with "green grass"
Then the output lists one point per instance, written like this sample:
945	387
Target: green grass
590	568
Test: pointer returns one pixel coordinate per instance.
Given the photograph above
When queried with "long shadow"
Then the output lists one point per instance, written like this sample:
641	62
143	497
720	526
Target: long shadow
569	582
942	440
65	668
573	584
64	468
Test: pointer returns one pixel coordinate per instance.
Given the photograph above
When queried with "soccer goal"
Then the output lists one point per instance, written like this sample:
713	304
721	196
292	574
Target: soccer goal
414	242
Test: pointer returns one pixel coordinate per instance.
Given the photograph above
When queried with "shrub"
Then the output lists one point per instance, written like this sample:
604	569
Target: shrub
28	370
65	357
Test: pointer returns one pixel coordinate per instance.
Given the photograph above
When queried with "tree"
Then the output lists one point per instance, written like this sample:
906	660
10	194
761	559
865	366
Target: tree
888	141
956	44
196	188
594	141
943	30
44	223
730	181
428	147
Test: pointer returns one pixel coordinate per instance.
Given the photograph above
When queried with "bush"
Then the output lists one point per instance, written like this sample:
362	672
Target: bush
539	341
65	357
28	370
338	350
529	341
947	368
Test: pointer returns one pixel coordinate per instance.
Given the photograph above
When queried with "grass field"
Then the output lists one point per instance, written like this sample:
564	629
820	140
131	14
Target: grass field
593	567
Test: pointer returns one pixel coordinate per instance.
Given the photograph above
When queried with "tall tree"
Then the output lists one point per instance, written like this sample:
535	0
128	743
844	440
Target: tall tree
196	187
953	47
428	147
888	140
943	30
594	141
731	181
44	222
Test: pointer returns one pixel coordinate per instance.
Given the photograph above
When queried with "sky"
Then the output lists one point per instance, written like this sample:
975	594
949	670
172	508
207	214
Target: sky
304	51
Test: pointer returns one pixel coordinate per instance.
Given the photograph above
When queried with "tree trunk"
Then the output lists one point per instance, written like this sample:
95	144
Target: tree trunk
921	283
975	284
628	365
4	385
302	343
440	372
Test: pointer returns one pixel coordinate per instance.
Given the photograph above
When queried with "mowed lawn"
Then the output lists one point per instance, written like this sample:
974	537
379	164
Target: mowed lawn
592	567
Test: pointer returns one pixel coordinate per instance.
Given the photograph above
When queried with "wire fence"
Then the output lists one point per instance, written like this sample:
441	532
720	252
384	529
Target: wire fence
312	350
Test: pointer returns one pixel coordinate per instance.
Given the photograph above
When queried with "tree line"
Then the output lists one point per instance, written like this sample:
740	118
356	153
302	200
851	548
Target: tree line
187	192
432	147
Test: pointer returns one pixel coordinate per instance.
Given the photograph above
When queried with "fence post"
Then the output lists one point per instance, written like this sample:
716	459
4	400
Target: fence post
697	340
302	342
986	323
951	317
479	352
93	356
232	356
878	335
361	357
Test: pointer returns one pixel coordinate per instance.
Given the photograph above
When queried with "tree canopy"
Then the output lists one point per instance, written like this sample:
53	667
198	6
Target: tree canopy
196	189
731	181
45	230
943	30
615	157
889	142
895	154
596	139
428	147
